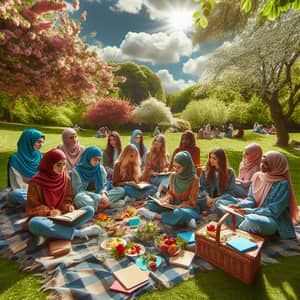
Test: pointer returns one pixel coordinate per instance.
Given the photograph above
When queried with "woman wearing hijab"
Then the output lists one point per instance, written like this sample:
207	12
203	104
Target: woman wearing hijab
249	165
183	192
89	182
71	147
111	153
50	194
188	143
127	173
23	164
217	180
271	206
138	140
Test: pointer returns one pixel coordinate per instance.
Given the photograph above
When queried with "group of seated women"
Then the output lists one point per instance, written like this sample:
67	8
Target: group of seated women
71	177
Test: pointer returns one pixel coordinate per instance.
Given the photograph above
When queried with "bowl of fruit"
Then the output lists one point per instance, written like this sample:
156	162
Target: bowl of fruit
171	246
134	249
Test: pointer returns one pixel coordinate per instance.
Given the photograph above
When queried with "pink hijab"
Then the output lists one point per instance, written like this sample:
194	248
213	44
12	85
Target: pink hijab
72	152
263	181
252	164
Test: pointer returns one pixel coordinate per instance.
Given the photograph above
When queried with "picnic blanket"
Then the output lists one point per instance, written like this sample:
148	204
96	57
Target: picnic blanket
87	272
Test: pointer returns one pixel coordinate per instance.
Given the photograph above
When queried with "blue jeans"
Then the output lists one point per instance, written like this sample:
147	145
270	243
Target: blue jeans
177	216
17	196
42	226
133	192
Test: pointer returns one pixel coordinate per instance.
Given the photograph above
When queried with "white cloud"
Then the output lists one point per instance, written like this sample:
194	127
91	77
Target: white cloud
171	85
157	48
196	66
129	6
157	9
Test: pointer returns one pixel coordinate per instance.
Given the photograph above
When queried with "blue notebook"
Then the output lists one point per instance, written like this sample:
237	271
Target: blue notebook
188	236
242	244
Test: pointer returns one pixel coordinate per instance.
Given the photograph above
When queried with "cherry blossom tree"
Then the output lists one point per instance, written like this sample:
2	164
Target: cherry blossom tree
41	54
109	112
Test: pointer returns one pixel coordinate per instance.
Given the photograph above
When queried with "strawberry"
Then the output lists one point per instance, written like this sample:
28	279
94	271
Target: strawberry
152	266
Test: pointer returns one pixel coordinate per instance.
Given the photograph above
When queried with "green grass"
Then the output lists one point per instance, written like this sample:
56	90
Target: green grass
279	281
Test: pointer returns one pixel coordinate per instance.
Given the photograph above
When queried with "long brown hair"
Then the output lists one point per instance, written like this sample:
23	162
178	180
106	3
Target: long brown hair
156	157
223	168
110	149
126	165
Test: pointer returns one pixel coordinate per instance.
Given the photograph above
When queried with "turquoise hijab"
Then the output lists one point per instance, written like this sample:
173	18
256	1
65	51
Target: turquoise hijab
183	180
26	160
138	145
86	171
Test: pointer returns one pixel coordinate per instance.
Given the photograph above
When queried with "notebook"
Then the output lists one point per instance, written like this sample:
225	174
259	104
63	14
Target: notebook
183	259
241	244
131	276
118	287
188	236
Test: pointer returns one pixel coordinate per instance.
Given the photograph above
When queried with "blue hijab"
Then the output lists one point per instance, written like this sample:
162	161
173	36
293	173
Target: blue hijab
138	145
26	160
87	172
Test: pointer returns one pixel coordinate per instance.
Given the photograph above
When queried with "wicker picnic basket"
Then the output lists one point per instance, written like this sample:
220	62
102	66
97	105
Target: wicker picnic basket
243	266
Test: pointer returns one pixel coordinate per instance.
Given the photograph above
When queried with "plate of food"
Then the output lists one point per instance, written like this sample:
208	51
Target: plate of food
111	243
134	249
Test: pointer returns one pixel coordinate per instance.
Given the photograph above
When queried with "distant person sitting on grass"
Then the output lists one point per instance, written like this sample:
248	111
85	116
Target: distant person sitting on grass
271	207
50	194
23	164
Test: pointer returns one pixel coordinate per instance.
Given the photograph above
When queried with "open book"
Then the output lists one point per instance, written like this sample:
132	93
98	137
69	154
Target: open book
69	218
164	173
141	185
160	203
230	210
183	259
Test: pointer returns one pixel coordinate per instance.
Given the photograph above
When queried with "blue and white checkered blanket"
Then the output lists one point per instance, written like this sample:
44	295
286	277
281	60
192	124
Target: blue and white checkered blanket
83	275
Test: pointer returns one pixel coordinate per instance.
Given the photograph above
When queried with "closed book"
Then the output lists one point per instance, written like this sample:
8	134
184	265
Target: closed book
131	276
68	218
183	259
188	236
241	244
118	287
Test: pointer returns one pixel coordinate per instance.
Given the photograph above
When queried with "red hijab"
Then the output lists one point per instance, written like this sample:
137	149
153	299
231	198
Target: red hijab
53	184
263	181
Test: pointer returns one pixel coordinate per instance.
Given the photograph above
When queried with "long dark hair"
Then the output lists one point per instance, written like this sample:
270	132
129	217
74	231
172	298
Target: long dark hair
223	168
109	149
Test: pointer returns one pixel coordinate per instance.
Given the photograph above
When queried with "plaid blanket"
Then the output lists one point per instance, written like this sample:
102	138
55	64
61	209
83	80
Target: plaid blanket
87	272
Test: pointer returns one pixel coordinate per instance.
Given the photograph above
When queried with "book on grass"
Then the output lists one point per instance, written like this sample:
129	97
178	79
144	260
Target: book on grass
162	204
141	185
131	276
231	210
183	259
68	218
188	236
241	244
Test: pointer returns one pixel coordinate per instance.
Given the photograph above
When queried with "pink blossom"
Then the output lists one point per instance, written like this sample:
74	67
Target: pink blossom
31	35
43	26
75	4
83	16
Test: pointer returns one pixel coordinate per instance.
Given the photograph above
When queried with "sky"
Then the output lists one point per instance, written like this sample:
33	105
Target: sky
154	33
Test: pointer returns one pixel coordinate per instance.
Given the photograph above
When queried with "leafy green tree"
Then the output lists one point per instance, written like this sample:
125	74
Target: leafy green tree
205	111
152	112
268	63
140	84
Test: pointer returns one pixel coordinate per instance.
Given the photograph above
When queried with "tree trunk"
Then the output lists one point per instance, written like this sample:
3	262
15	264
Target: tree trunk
280	123
7	115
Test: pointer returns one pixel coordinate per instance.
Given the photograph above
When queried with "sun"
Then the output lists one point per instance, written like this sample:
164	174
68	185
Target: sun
180	19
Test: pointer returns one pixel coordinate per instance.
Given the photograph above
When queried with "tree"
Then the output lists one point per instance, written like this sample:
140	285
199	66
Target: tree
201	112
152	112
140	84
219	18
109	112
268	63
42	55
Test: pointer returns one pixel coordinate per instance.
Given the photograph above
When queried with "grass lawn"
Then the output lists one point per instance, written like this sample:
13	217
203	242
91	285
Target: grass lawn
278	281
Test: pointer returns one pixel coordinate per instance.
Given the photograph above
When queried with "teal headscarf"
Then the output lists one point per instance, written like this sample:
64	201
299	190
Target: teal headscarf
183	180
26	160
87	172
